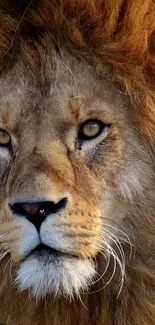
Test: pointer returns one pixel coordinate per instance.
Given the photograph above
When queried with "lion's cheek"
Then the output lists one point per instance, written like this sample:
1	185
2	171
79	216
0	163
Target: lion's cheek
19	238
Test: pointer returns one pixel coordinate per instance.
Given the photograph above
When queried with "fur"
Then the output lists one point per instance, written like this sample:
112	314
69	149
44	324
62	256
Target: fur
116	34
62	63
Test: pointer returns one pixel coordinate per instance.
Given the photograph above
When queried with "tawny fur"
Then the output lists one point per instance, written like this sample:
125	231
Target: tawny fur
105	49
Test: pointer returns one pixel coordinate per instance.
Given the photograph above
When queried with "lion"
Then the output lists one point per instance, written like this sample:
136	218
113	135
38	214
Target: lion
77	194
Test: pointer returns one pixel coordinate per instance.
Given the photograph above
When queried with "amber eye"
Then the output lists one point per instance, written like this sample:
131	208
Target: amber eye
4	138
91	129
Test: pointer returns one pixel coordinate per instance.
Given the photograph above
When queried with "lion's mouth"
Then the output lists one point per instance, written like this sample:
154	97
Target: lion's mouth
44	250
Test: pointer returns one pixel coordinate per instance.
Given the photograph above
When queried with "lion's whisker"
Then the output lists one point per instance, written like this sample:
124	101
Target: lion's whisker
2	235
101	276
4	254
118	230
117	243
100	289
116	259
128	241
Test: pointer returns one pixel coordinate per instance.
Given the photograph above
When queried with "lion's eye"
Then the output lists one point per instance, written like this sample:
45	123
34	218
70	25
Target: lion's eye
91	129
4	138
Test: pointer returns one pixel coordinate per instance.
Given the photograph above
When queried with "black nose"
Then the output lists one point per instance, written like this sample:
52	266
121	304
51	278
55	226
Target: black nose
37	212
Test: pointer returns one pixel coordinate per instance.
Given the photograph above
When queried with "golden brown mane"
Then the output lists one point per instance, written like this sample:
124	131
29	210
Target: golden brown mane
118	38
117	34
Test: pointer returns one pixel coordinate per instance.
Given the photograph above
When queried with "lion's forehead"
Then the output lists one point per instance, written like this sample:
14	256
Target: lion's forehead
71	90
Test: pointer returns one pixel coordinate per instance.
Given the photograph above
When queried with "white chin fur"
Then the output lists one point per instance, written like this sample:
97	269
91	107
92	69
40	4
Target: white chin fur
58	275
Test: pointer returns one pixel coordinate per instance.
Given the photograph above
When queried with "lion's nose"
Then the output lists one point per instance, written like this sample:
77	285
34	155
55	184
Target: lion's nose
37	212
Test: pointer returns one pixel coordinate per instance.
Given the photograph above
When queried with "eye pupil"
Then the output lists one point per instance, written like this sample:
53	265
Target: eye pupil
90	129
4	138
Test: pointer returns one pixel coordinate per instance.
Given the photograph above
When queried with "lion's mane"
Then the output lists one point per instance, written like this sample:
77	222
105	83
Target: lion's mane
117	34
118	37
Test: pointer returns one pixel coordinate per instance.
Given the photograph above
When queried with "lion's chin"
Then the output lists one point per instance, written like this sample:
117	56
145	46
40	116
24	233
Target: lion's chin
55	274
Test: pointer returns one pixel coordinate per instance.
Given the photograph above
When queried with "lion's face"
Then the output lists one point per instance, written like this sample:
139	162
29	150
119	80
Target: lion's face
69	166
